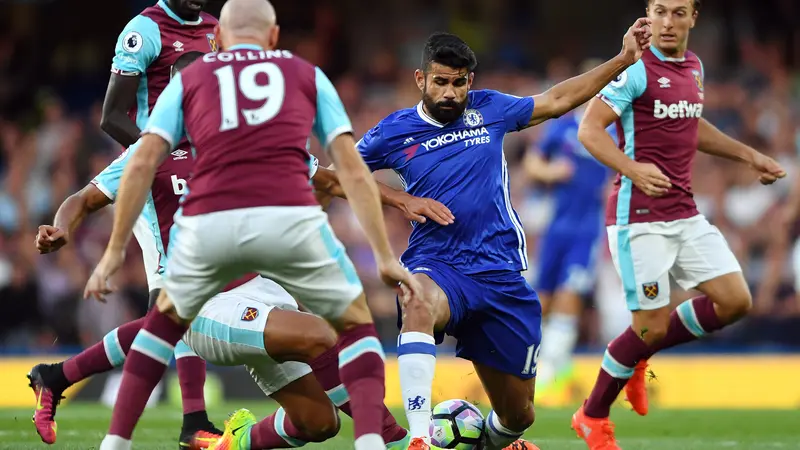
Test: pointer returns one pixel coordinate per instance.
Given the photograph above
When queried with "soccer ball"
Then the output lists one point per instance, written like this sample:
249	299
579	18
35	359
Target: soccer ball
456	424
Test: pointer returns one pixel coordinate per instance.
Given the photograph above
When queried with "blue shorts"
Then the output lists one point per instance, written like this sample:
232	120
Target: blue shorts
566	262
495	317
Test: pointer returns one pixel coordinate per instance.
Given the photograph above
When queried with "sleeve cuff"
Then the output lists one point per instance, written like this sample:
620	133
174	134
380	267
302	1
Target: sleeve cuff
160	133
610	104
104	190
336	133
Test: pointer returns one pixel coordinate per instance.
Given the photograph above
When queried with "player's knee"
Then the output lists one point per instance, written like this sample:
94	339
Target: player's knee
518	419
317	340
418	312
316	427
735	306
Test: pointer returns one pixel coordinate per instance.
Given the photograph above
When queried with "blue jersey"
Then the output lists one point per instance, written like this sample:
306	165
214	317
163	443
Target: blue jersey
580	200
460	164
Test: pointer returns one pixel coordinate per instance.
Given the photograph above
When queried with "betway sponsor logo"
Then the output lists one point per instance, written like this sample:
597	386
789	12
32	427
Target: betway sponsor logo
680	110
472	136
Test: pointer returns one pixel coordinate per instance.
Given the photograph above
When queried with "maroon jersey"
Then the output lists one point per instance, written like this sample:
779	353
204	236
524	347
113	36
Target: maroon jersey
659	101
249	114
151	43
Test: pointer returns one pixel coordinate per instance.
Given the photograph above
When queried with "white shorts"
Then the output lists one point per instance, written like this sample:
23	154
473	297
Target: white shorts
646	254
293	246
229	331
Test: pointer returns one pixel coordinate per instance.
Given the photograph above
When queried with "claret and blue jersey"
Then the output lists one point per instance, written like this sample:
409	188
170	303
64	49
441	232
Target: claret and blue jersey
495	315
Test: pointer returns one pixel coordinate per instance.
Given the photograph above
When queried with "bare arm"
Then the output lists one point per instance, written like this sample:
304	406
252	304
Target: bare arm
570	94
120	98
362	192
593	135
714	142
69	216
134	187
414	208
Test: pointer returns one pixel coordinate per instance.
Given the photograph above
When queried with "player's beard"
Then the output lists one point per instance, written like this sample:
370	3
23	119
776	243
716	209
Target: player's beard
440	110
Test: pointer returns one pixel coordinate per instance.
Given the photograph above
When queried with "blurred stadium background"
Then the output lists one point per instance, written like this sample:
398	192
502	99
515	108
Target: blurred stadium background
54	67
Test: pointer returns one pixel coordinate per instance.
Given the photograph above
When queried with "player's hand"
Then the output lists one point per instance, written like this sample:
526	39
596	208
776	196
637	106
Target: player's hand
649	179
50	239
421	209
561	170
98	285
769	170
393	274
636	40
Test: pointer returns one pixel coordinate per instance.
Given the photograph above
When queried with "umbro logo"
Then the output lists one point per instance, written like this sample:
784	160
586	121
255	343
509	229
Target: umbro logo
664	82
178	46
408	140
179	154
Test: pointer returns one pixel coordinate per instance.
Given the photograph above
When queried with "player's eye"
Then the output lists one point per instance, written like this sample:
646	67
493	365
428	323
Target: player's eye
460	82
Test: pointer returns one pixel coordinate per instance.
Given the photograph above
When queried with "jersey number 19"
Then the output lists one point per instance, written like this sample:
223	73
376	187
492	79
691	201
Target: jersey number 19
271	94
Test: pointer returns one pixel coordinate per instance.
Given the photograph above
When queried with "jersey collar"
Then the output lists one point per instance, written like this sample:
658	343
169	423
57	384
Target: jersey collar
244	47
424	116
163	5
662	57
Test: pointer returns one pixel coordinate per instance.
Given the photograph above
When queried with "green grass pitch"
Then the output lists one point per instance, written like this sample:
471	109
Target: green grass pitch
81	426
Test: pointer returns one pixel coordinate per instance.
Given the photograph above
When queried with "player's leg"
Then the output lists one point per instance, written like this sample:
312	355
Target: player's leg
326	370
307	260
645	281
706	263
49	381
503	339
512	408
194	274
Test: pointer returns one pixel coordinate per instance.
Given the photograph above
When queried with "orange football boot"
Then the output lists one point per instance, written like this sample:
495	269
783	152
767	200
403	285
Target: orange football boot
636	389
597	433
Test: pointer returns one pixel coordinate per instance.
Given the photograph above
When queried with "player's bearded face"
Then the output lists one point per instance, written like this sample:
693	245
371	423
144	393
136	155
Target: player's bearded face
444	95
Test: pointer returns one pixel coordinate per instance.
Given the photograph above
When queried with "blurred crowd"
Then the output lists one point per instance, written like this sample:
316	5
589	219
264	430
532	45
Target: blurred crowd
56	147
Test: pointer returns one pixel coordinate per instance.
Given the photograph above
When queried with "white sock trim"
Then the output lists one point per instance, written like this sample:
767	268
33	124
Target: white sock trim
370	441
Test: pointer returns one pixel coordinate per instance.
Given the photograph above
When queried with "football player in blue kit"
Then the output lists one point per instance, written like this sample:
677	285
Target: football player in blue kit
449	148
567	254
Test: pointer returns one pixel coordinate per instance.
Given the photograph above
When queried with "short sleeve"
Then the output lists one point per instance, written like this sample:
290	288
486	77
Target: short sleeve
373	149
166	120
331	119
108	180
138	46
627	87
517	111
313	165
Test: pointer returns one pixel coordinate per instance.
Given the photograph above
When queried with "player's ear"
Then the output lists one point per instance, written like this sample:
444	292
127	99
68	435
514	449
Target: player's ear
274	35
470	79
218	34
694	17
419	77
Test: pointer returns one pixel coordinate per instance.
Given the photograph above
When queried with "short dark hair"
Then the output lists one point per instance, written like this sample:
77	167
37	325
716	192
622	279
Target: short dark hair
184	60
448	50
695	3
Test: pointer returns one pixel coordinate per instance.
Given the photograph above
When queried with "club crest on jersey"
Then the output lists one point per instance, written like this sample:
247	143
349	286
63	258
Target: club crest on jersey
250	314
650	290
212	41
473	118
698	79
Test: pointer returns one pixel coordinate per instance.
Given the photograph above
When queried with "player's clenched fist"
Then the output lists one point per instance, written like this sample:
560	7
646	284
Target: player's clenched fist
636	40
649	179
50	239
